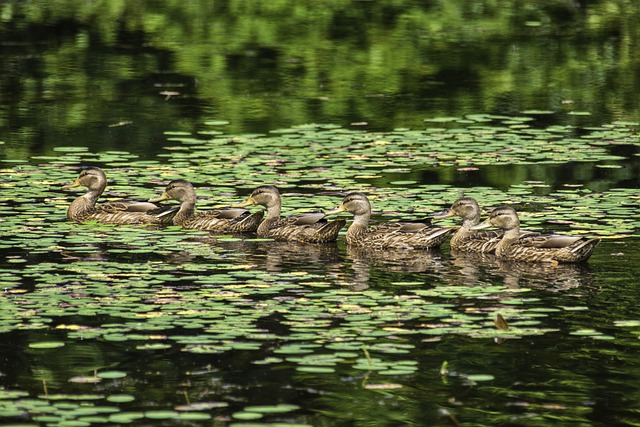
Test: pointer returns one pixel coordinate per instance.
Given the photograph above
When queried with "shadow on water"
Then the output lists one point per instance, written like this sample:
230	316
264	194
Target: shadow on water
501	176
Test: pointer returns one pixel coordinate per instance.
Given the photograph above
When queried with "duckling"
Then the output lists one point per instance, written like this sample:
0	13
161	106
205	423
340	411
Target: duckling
306	228
407	235
123	211
224	220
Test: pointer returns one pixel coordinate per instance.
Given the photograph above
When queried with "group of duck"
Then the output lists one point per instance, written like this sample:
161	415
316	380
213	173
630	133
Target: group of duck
508	241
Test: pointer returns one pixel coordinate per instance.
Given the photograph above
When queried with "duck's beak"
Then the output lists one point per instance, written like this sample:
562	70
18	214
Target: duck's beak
248	202
337	210
443	214
74	184
163	196
482	225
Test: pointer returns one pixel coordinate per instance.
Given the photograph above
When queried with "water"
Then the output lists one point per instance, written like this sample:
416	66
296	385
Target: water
201	329
579	371
120	76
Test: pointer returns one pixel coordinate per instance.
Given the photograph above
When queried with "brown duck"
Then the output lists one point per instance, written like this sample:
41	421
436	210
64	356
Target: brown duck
535	247
124	211
223	220
407	235
465	238
306	228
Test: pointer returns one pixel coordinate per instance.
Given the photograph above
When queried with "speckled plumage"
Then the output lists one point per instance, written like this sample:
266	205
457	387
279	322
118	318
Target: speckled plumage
407	235
223	220
536	247
84	208
466	239
306	228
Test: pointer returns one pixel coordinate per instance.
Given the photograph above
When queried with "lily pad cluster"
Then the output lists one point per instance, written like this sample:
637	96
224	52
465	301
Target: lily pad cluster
316	311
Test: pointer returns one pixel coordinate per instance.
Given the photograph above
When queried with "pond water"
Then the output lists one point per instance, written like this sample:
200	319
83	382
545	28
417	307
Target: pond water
530	105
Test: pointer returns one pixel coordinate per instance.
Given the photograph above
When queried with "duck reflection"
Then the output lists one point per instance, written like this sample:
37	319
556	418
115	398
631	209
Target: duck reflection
410	261
180	257
474	268
283	256
364	261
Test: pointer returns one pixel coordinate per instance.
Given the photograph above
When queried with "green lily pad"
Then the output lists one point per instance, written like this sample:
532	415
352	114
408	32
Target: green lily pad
47	345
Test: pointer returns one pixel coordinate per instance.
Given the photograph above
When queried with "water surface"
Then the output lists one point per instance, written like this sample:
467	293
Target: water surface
531	106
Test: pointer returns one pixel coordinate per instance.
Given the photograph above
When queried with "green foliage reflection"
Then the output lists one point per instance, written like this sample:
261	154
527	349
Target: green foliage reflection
117	72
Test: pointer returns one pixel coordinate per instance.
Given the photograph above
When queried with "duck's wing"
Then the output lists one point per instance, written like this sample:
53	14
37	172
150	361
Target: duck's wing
126	205
305	218
399	227
555	241
227	213
225	220
309	228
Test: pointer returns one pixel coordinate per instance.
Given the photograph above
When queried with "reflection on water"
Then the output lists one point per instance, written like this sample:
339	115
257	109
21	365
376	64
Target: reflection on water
359	268
414	261
280	257
471	267
112	78
365	262
224	382
115	78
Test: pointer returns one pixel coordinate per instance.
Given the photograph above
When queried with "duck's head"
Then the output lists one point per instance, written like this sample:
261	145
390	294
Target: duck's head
465	207
503	217
266	195
91	177
178	189
354	203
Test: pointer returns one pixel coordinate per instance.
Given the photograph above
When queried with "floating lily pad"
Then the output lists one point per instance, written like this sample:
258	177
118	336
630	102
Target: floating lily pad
274	409
47	345
111	374
247	415
480	377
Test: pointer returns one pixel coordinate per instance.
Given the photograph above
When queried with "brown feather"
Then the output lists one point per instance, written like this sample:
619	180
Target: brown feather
306	228
407	235
224	220
537	247
124	211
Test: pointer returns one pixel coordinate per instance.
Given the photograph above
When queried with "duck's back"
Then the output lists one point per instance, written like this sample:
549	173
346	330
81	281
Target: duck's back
407	235
231	221
308	228
580	250
118	212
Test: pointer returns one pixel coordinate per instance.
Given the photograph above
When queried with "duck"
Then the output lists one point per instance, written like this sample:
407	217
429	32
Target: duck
123	211
465	238
304	228
403	235
536	247
222	220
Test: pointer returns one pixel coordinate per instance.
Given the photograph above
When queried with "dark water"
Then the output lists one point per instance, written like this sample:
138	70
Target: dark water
560	377
117	76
